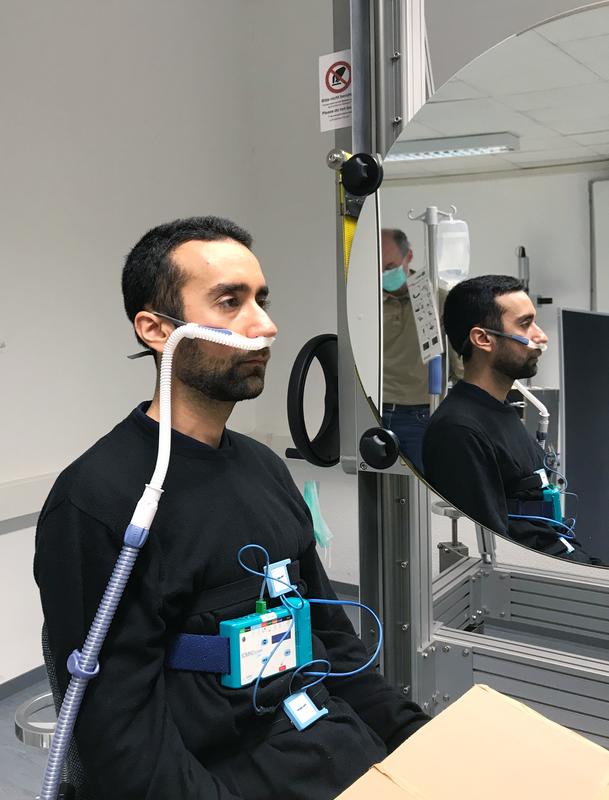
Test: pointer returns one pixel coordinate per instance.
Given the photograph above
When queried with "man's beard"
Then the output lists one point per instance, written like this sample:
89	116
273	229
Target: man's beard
225	379
512	366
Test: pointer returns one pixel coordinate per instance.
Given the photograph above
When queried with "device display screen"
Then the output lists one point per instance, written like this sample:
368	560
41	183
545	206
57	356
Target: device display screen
257	642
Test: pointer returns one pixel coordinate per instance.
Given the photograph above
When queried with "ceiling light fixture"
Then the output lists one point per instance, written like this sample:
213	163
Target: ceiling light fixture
483	144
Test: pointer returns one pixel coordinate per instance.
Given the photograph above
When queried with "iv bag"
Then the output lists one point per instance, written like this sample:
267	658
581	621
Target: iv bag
453	251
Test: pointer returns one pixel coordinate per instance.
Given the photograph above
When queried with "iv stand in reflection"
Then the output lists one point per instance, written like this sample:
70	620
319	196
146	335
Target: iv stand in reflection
437	366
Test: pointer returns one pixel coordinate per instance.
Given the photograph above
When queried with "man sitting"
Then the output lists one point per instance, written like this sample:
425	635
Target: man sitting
146	730
476	451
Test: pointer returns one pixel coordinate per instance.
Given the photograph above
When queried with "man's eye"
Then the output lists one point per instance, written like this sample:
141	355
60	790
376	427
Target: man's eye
264	303
229	302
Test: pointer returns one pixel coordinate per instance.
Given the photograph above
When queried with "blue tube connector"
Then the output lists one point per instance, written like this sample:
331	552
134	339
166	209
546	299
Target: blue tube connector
135	536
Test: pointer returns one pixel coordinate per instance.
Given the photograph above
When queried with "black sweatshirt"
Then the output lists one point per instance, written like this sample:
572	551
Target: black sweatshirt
475	452
148	732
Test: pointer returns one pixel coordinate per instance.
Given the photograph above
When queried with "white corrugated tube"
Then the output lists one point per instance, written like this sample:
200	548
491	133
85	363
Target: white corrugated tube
135	537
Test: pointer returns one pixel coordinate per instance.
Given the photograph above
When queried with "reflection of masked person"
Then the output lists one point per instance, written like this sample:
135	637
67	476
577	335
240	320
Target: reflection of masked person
405	381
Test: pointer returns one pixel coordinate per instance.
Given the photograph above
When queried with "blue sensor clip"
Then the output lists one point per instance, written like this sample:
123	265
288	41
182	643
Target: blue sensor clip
302	711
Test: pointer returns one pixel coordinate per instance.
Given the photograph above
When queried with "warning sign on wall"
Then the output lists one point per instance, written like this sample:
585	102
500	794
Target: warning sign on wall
335	90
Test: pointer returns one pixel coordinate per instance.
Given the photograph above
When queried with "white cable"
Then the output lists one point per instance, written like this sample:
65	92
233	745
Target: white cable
544	416
190	331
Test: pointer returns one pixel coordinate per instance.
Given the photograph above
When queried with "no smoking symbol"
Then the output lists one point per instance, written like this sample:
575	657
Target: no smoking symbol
338	77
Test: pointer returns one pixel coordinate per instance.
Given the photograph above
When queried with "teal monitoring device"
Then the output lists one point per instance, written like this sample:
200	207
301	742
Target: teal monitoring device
254	641
551	496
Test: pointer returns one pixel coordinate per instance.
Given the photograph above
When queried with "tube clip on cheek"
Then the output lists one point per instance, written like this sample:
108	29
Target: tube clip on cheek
227	337
531	344
219	335
521	339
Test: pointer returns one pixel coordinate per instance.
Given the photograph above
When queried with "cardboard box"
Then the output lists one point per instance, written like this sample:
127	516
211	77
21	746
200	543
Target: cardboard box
486	745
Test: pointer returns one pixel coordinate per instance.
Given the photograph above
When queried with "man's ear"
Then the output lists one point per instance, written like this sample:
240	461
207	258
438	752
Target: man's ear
152	330
480	340
409	255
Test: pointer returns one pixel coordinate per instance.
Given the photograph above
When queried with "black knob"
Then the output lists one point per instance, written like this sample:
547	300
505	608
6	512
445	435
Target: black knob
379	448
362	174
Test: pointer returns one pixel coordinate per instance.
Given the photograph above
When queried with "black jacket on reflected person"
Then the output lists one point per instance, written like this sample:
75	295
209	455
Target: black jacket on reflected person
148	732
475	453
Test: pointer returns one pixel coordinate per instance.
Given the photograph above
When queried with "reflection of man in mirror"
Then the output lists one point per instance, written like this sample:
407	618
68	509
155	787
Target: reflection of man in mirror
405	381
405	391
476	452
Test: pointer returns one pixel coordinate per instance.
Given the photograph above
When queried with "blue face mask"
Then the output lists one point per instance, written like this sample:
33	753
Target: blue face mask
394	279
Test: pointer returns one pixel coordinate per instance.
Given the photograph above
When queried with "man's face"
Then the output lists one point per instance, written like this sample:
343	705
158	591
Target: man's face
224	288
510	357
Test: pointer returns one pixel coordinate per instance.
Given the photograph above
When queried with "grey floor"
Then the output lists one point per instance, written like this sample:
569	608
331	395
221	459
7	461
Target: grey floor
21	767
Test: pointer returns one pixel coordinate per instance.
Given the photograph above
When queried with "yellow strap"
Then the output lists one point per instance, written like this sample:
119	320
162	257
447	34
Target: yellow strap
349	224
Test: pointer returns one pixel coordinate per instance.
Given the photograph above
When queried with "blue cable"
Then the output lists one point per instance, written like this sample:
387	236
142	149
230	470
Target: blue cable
313	683
546	519
260	709
556	472
372	658
254	571
576	496
320	675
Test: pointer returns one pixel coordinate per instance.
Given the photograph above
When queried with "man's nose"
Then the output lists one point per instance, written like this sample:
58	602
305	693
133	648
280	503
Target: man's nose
538	335
262	324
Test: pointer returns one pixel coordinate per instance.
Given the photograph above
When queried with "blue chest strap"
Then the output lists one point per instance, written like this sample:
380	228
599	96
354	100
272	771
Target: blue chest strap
198	653
205	653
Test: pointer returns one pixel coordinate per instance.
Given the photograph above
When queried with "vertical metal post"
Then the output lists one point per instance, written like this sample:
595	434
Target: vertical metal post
388	57
400	66
361	63
431	227
346	370
395	577
395	571
385	570
414	66
368	488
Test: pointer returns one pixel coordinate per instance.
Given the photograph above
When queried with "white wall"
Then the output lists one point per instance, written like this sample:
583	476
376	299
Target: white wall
293	191
118	116
547	211
20	612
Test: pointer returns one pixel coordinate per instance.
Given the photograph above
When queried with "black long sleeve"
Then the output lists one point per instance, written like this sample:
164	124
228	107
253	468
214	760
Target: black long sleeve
146	731
476	451
127	702
461	466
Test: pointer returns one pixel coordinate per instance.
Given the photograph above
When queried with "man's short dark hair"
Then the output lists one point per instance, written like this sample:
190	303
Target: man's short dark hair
151	278
472	303
400	238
